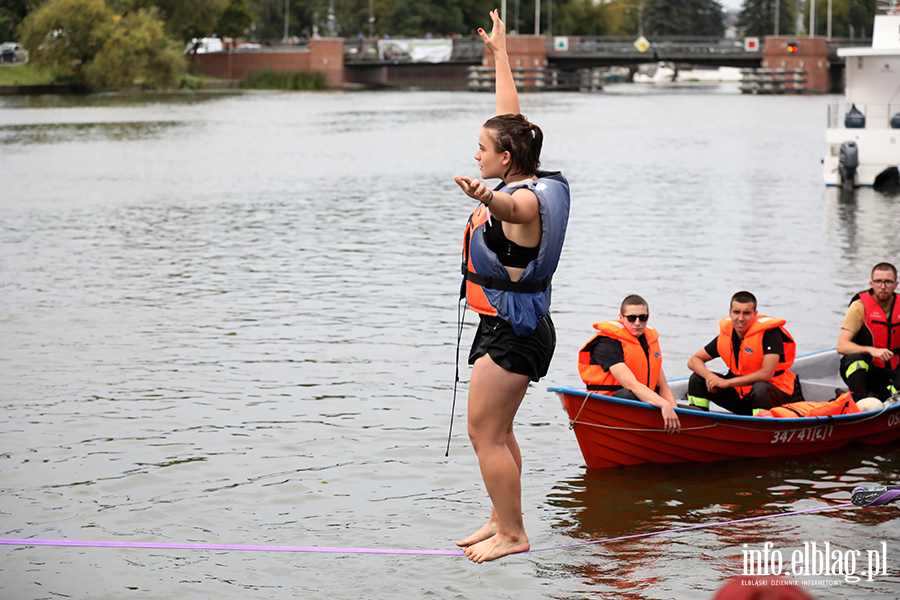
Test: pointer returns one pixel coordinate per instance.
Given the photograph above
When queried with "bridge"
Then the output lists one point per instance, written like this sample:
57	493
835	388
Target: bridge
386	62
601	51
444	64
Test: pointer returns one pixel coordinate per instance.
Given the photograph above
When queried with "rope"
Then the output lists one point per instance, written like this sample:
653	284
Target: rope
573	422
460	315
227	547
324	550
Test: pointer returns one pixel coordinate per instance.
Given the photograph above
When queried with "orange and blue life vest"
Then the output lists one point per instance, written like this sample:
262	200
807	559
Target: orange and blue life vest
880	331
752	352
644	365
487	287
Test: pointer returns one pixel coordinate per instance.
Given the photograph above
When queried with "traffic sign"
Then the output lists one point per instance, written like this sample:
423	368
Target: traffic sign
642	44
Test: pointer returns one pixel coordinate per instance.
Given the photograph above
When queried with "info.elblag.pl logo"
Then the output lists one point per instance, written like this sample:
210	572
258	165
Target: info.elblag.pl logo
816	560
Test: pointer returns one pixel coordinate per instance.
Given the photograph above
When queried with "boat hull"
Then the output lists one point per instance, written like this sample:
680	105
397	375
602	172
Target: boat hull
614	432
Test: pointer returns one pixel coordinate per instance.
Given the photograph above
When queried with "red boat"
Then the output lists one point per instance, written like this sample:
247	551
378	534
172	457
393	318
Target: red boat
614	432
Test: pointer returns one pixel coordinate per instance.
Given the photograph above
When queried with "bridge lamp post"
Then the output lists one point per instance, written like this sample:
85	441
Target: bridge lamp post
331	18
777	15
812	18
550	18
828	34
537	17
371	19
287	10
517	16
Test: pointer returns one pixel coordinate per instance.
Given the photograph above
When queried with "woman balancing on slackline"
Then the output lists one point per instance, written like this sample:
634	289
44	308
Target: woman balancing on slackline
512	246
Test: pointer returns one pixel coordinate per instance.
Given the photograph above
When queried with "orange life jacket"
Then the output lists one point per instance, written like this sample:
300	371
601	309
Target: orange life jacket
487	287
474	293
644	365
884	332
842	405
751	352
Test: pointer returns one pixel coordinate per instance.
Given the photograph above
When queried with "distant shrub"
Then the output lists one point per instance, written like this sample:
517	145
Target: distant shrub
188	82
285	80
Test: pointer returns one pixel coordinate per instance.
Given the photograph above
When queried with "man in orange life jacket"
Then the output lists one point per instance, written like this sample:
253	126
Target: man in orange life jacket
624	360
870	338
758	351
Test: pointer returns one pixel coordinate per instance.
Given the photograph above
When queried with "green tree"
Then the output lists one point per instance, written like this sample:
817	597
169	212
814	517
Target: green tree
418	17
269	22
579	17
85	43
622	17
683	17
235	20
189	19
136	49
847	16
475	14
12	13
757	17
67	35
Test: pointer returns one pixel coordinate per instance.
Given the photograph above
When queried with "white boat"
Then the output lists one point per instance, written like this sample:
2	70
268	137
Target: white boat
863	134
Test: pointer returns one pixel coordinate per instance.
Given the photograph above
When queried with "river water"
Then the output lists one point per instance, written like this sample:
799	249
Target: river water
231	319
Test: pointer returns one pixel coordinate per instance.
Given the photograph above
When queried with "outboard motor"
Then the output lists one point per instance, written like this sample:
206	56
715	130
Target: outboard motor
847	164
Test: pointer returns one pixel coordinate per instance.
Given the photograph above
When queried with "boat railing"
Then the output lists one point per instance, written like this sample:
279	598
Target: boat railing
844	115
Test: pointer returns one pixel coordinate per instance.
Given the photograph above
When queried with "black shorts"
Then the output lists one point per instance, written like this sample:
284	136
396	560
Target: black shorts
528	355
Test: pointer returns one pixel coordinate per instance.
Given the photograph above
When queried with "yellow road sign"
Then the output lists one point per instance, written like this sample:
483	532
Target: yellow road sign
642	44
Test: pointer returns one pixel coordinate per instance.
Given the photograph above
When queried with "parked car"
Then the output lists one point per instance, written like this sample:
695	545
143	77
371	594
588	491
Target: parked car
11	52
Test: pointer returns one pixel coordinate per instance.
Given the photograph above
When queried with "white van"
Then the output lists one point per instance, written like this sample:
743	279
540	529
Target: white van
204	45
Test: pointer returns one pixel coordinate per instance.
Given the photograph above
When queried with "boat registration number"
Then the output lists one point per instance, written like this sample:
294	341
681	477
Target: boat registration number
809	434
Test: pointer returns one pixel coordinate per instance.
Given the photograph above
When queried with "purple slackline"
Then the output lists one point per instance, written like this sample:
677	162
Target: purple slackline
323	550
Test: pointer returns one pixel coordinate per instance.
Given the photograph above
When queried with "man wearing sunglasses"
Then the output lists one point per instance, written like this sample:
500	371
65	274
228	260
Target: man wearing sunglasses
758	352
624	360
870	338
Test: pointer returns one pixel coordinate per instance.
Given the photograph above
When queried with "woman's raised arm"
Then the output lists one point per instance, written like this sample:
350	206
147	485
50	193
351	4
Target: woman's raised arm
507	96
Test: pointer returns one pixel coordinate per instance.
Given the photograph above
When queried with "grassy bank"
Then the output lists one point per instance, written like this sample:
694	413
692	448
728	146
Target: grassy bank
24	75
285	80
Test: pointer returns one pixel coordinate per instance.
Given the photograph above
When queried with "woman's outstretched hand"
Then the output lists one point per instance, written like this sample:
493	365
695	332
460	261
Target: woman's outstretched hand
496	42
473	188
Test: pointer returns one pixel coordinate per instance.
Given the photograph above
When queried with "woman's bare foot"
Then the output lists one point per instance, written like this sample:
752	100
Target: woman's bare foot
488	530
497	546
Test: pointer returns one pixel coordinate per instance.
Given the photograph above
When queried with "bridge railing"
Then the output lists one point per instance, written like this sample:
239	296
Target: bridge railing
356	51
684	44
842	115
471	49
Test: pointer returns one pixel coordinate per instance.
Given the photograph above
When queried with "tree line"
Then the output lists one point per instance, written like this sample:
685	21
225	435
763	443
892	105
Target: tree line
265	19
112	43
849	18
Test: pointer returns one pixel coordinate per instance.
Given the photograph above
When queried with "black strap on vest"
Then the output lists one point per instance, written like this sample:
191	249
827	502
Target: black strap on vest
505	285
604	388
792	409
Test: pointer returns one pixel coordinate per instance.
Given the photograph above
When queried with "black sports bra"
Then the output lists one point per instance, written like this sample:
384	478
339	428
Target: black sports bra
509	253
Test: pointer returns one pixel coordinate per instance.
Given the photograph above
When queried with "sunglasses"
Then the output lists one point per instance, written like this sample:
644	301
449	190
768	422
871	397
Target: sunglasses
633	318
